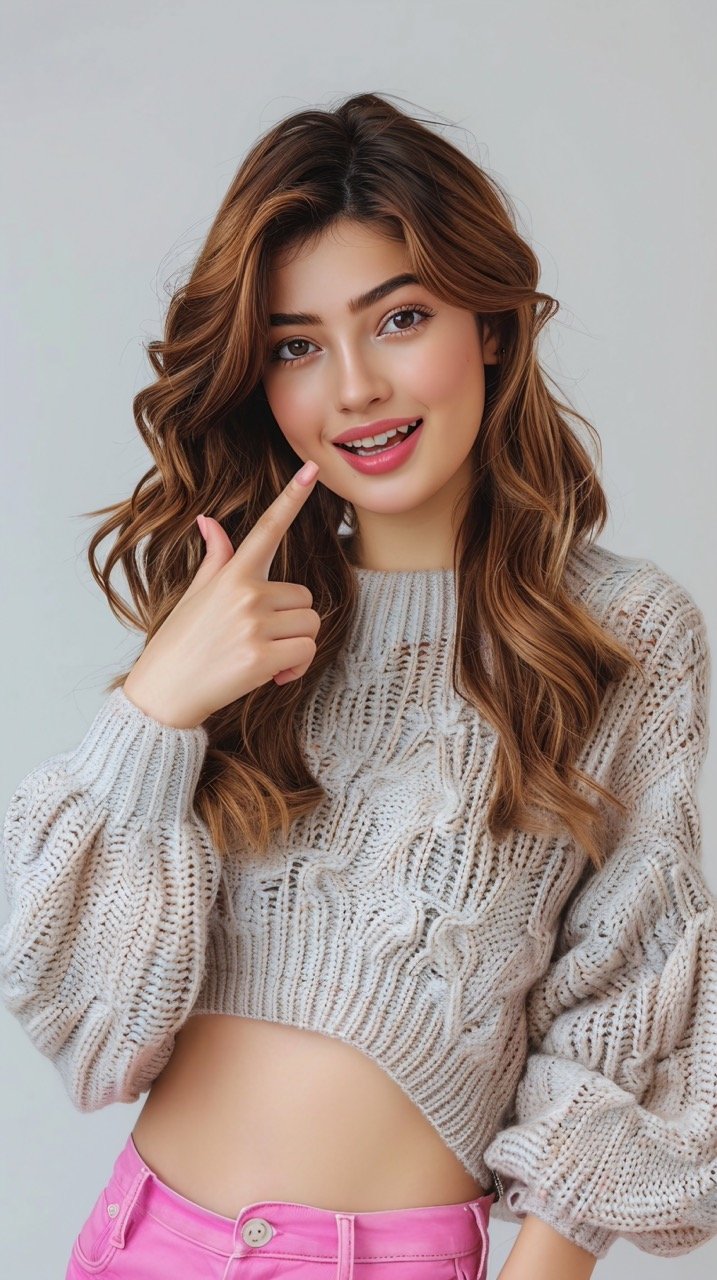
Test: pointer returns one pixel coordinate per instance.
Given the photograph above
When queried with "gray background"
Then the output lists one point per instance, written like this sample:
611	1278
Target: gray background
122	125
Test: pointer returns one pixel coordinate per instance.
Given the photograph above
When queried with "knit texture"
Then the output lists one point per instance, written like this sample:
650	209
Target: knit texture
557	1025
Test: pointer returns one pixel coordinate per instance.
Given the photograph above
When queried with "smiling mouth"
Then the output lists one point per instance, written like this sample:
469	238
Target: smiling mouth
397	438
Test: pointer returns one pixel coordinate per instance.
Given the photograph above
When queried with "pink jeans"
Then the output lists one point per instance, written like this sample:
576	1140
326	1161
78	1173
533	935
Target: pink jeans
140	1228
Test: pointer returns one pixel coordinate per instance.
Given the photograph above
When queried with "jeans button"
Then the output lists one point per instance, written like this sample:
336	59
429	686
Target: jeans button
113	1210
257	1231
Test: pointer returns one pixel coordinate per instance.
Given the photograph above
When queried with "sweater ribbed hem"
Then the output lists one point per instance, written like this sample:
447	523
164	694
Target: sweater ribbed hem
342	995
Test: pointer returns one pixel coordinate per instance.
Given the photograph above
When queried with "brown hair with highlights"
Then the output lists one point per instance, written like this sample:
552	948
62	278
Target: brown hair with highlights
217	449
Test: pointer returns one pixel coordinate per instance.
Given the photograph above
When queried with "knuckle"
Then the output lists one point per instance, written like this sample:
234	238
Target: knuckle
252	630
271	523
250	597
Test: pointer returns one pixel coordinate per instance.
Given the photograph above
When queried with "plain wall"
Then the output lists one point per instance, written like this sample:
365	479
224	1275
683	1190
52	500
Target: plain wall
122	125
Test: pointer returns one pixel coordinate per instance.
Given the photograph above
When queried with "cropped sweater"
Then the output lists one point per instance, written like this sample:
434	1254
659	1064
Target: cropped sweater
555	1023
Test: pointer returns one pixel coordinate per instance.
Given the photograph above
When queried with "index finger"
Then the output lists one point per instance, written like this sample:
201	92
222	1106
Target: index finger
256	551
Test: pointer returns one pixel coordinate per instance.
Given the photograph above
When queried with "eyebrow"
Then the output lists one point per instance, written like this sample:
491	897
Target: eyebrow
361	303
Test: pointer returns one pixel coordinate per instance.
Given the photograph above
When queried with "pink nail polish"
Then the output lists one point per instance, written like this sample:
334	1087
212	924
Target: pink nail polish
307	473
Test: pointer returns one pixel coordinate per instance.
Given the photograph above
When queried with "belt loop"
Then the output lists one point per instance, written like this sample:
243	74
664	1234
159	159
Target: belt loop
233	1255
482	1222
128	1203
345	1228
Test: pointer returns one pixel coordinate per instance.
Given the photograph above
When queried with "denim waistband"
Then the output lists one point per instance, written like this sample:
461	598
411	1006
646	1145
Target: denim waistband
283	1228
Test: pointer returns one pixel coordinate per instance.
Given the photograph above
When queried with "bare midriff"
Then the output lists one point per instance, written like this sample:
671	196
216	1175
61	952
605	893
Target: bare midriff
248	1110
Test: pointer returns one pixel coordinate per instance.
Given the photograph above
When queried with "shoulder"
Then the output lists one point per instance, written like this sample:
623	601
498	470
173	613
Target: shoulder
640	603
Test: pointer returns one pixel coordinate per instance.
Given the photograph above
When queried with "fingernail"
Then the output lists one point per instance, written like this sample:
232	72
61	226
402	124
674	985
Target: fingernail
307	473
202	526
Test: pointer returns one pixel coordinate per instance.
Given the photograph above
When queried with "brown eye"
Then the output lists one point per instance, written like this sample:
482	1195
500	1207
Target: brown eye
424	312
291	342
407	312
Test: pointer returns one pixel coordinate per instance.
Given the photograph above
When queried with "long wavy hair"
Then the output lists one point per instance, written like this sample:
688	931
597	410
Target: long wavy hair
217	449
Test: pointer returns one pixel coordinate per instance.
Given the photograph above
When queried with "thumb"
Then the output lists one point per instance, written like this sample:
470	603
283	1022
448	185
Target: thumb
219	551
217	541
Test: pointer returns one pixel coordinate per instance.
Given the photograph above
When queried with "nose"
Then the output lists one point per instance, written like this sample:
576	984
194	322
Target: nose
360	381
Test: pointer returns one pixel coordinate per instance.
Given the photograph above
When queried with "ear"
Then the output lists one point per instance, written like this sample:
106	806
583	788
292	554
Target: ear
490	342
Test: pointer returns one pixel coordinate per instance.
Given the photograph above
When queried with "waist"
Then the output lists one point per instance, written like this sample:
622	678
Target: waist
282	1229
249	1110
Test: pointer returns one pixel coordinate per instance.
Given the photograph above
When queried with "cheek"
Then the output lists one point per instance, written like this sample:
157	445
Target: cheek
293	406
453	371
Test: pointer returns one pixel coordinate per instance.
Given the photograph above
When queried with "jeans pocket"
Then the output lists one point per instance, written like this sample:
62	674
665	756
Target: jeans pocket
105	1231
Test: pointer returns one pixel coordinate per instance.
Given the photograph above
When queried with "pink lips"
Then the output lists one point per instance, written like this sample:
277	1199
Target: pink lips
387	460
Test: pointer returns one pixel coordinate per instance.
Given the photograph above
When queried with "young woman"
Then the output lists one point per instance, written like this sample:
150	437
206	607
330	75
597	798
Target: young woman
380	868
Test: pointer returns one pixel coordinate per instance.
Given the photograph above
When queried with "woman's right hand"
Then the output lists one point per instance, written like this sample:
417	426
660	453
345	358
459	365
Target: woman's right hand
233	629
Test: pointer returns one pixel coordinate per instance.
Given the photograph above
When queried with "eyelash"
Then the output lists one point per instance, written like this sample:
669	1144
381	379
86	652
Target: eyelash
418	310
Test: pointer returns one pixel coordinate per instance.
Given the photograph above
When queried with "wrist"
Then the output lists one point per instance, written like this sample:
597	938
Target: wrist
151	704
541	1253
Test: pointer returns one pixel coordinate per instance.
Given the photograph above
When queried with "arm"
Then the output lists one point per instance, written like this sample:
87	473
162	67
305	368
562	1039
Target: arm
539	1253
614	1131
110	878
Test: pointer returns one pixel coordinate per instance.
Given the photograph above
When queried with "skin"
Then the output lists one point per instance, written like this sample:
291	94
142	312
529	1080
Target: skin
358	368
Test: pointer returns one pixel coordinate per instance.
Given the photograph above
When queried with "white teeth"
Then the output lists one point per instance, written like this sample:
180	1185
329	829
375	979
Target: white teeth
381	439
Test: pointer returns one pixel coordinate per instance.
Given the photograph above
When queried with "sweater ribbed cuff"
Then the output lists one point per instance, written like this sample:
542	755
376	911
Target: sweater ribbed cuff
149	770
522	1200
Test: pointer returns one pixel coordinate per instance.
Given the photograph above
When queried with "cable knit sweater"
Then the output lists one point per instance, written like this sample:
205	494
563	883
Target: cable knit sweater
556	1024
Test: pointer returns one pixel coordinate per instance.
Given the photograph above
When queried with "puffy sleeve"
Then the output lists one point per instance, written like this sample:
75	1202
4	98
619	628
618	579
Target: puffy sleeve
613	1130
110	877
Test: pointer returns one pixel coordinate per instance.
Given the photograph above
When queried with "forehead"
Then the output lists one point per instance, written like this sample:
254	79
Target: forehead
339	263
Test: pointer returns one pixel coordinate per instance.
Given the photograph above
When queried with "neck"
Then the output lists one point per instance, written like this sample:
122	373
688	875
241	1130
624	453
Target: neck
357	561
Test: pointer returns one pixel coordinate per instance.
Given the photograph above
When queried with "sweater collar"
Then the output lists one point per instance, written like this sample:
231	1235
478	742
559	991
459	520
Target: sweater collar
403	606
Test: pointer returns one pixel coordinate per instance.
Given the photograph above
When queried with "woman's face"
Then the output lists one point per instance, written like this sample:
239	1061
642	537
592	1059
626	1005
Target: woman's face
354	367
